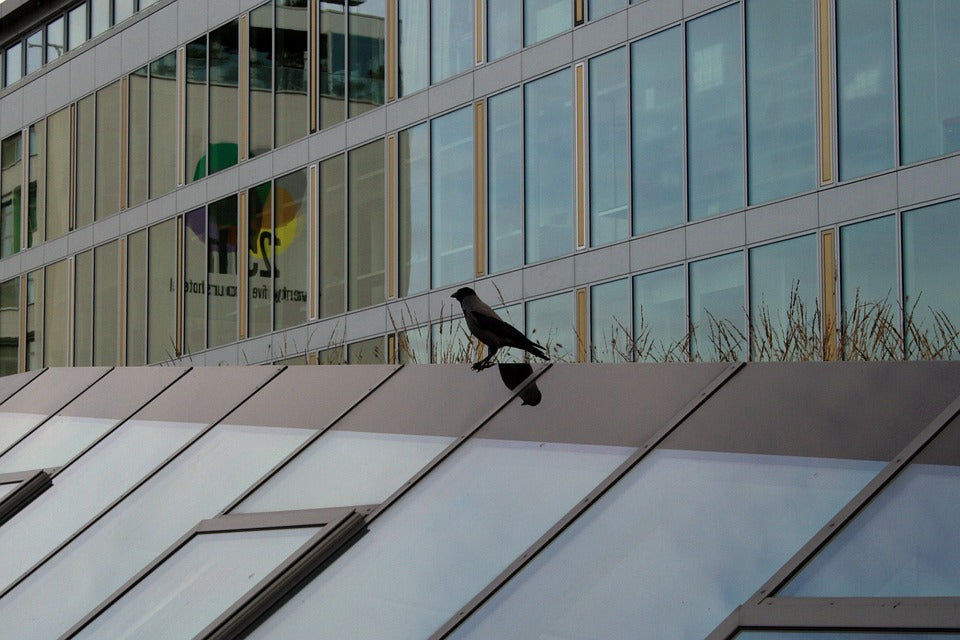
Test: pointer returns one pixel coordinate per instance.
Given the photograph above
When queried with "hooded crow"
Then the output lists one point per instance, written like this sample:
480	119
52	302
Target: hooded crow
492	331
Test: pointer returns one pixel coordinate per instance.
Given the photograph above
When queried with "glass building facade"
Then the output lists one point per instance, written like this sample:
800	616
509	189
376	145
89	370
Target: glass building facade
303	179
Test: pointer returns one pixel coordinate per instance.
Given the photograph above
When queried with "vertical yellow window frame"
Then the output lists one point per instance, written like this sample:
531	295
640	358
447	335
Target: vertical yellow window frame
393	70
828	256
825	86
579	143
242	253
479	29
579	12
583	325
392	213
480	186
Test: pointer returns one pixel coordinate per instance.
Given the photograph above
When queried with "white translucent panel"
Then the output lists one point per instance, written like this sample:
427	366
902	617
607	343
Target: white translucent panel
345	468
672	548
57	441
198	583
84	489
14	425
441	543
197	485
7	489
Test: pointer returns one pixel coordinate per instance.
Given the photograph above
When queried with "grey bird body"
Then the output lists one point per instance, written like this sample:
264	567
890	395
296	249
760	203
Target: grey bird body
490	329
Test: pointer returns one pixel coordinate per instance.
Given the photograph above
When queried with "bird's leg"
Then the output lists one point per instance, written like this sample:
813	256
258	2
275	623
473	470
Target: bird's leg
486	362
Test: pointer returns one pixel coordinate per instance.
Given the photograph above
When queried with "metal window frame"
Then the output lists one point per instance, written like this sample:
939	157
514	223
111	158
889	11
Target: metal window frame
32	484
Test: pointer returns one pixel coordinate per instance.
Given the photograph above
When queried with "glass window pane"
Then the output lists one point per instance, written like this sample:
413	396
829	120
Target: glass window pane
781	99
660	316
716	308
196	109
105	300
122	9
77	26
930	262
414	209
17	424
333	63
162	292
156	515
610	322
868	290
865	111
784	280
56	42
550	322
714	114
224	97
600	8
35	299
452	210
366	352
292	109
929	79
222	234
195	291
414	18
136	298
260	259
366	236
504	24
548	172
86	158
261	79
194	586
11	193
609	168
413	344
108	150
333	217
163	124
505	181
34	57
450	341
55	322
83	309
99	17
54	443
36	183
451	23
13	64
9	326
7	489
291	234
58	174
545	18
138	138
366	55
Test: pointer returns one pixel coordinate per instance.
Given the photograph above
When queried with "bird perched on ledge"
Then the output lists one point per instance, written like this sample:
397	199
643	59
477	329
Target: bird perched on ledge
490	329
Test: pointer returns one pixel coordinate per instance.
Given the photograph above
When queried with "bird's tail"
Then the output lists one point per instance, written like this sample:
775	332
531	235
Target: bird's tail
536	350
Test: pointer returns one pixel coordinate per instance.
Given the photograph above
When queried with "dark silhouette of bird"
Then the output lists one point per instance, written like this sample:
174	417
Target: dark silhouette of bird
490	329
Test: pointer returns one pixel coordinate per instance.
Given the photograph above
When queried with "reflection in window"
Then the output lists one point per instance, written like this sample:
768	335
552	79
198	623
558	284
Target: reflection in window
504	27
868	288
865	110
414	209
366	234
451	48
261	79
58	174
196	109
56	41
163	125
77	26
545	18
99	17
929	79
781	99
162	293
333	236
414	47
548	167
34	337
224	97
452	210
609	168
610	329
413	344
194	280
716	308
86	159
260	264
222	299
291	249
659	323
714	114
333	63
451	342
505	181
83	309
370	351
136	299
9	326
366	55
54	443
122	9
55	319
292	107
11	193
930	263
138	139
107	178
550	322
783	298
13	64
34	57
105	315
600	8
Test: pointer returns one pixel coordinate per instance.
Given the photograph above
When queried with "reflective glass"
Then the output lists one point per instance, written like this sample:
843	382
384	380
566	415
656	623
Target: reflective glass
136	328
333	221
413	73
11	193
413	226
869	290
432	551
292	107
224	98
781	79
610	339
55	320
600	8
9	328
930	263
77	26
548	167
291	239
451	342
106	322
163	124
56	42
7	489
35	299
83	309
550	322
138	139
784	282
86	158
609	138
14	425
34	57
714	114
101	559
99	17
660	315
545	18
367	200
36	183
413	345
451	23
194	280
866	129
929	78
260	259
222	282
504	27
198	583
122	9
58	174
13	64
162	286
717	308
196	109
366	55
657	118
107	178
54	443
505	181
451	195
367	352
333	63
261	79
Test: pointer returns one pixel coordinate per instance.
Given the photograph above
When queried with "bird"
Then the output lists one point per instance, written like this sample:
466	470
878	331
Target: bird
490	329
